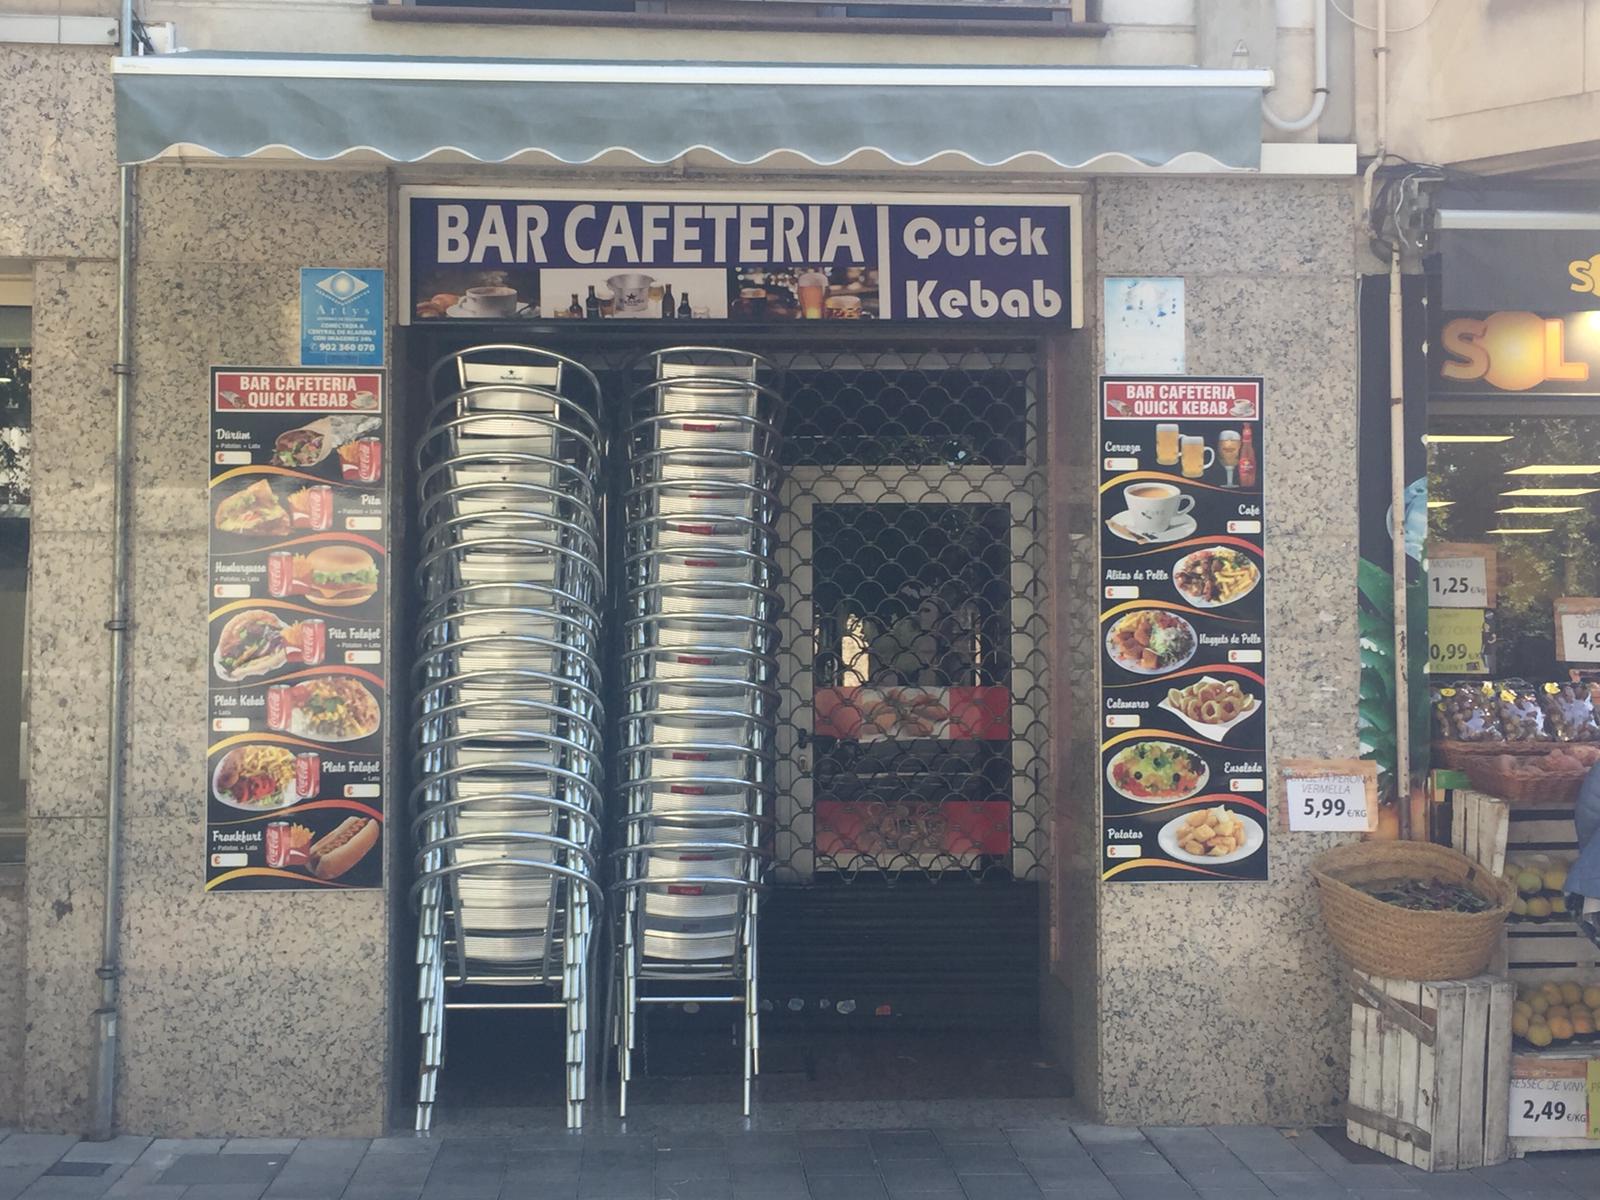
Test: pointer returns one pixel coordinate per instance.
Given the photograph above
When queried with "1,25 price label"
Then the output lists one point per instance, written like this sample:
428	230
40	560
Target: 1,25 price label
1544	1107
1458	583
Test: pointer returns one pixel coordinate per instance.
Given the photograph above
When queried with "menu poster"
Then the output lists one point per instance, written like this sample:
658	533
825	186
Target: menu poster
1183	682
295	783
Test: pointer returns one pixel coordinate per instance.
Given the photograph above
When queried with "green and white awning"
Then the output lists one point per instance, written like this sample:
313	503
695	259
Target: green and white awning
777	115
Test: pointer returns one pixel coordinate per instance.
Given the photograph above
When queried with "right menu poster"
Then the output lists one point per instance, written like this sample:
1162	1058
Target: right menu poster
1184	690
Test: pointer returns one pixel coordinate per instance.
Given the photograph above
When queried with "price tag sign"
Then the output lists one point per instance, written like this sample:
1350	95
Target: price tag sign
1455	641
1462	575
1578	629
1330	795
1549	1098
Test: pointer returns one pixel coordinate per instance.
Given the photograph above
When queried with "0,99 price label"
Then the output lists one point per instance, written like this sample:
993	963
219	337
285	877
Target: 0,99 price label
1455	641
1548	1106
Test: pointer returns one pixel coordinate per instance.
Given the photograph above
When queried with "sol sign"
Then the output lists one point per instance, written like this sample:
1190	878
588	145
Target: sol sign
1521	351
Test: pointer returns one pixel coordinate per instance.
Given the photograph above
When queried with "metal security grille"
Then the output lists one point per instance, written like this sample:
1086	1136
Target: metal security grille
912	664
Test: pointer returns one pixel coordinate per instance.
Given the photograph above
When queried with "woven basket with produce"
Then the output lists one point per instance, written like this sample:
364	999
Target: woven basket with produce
1411	910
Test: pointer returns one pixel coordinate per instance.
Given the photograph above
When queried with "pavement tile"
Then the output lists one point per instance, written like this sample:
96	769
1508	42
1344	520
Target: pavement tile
1060	1172
1302	1185
847	1187
1152	1187
66	1187
1000	1187
223	1169
968	1134
34	1149
1520	1180
309	1183
770	1181
125	1149
408	1144
917	1175
123	1190
387	1191
1193	1151
763	1146
1104	1135
691	1189
1056	1142
837	1160
330	1151
984	1158
1263	1149
676	1166
1132	1159
690	1139
224	1191
280	1146
628	1183
891	1144
1100	1189
1234	1191
832	1137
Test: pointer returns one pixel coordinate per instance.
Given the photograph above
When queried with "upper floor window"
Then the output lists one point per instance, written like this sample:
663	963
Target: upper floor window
1061	17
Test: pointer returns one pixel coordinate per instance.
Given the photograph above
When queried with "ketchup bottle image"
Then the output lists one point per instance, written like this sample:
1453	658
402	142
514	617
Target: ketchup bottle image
1247	460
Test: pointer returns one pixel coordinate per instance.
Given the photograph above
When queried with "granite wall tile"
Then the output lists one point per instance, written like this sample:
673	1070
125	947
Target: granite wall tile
251	218
64	899
246	1013
1165	226
57	152
13	960
74	394
1221	1003
205	971
69	680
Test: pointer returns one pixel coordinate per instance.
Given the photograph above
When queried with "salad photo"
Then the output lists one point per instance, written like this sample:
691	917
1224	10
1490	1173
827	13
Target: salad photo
1157	772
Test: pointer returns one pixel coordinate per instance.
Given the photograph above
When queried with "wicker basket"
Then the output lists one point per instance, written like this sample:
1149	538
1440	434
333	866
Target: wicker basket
1399	943
1457	755
1550	789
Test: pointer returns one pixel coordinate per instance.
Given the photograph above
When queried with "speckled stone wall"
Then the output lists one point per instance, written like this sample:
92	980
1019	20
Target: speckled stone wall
230	1003
243	1012
13	941
1218	1002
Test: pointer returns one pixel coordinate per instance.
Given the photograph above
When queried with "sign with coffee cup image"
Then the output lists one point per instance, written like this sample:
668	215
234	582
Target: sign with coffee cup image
1183	674
498	254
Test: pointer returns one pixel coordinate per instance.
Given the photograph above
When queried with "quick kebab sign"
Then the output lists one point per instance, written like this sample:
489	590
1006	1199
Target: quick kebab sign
295	775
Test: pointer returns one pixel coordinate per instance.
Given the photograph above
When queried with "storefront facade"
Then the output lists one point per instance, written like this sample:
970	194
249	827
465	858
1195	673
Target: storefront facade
285	1011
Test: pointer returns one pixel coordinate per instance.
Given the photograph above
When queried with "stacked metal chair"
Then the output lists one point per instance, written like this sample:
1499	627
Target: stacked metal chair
699	678
507	807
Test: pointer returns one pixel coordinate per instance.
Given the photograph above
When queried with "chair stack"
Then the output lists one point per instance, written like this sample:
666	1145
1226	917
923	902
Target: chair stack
507	807
699	677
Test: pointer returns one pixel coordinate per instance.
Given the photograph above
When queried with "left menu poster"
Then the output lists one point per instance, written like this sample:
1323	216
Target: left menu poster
295	786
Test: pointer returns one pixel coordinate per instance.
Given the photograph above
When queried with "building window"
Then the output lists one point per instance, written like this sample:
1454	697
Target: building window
16	424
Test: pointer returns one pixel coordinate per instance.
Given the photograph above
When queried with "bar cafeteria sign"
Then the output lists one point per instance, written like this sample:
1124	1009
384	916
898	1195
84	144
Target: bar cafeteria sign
497	255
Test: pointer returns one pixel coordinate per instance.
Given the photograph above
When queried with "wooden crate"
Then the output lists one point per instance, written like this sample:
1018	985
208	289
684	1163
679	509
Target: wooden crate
1430	1070
1489	831
1573	1064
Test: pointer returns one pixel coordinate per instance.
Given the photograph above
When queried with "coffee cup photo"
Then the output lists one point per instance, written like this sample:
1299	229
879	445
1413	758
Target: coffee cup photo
1153	508
490	301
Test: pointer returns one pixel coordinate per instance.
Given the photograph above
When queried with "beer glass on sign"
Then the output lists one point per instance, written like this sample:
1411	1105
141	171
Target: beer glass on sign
1166	445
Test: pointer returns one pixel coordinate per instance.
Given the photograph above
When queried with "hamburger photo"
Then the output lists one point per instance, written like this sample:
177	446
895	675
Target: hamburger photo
337	575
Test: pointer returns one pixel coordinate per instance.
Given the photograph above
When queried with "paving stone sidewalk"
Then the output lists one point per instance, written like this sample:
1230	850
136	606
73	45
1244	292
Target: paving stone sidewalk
1083	1162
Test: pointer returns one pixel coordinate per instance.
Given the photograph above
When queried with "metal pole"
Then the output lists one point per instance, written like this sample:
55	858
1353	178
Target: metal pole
1397	535
103	1096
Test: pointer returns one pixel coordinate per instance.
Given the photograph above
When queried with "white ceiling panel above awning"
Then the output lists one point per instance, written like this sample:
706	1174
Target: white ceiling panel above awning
776	115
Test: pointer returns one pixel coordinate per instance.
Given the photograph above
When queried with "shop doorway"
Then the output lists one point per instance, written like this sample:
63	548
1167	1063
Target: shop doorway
910	837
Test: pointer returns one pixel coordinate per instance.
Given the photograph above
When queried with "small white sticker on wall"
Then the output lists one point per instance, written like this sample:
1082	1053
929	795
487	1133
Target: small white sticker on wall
1144	320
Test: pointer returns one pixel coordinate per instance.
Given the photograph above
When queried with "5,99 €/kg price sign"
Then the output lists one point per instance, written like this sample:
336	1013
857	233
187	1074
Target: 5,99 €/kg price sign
1330	795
